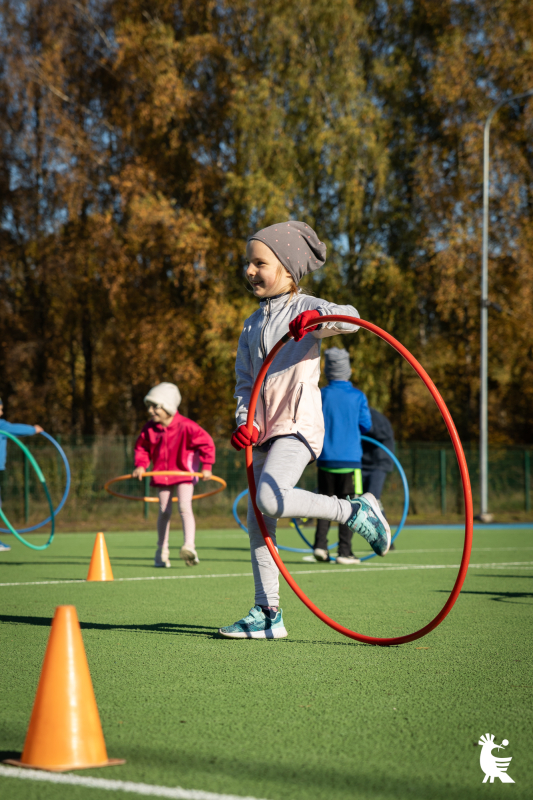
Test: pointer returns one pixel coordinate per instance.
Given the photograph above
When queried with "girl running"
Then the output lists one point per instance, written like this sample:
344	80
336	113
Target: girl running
171	441
288	427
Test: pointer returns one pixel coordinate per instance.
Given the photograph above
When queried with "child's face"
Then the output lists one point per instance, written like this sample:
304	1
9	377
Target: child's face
264	272
158	414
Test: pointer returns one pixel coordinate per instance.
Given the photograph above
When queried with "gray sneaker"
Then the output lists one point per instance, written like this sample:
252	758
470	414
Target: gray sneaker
321	555
161	559
368	521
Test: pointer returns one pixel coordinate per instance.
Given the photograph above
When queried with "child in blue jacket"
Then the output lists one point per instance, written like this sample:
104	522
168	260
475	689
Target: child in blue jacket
16	430
346	416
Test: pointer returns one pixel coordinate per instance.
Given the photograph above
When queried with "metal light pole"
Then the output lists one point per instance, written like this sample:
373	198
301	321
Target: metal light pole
484	370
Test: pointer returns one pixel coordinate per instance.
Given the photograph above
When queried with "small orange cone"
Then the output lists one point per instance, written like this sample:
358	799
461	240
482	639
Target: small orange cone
100	566
65	731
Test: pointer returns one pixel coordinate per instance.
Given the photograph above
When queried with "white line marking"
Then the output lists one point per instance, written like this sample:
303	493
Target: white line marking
401	550
39	583
400	567
331	571
142	578
146	789
460	550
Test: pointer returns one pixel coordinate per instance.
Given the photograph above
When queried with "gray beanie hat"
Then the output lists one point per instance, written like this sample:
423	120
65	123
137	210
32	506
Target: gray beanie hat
337	364
296	245
166	395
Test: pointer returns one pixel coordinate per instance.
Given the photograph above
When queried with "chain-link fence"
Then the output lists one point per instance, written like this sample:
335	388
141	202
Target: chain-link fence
431	469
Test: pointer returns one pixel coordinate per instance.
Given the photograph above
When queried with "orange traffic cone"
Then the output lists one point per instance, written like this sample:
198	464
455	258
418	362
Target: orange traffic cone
65	731
100	566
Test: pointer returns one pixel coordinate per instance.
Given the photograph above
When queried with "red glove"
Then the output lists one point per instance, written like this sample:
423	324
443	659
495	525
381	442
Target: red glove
241	438
298	324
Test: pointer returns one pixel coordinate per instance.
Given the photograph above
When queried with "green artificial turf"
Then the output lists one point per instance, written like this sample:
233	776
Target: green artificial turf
315	716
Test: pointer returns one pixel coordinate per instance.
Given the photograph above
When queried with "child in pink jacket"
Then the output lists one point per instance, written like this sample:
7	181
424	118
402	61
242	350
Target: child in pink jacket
173	442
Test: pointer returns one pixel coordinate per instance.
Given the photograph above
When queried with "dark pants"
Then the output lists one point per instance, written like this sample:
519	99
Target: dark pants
373	480
339	484
1	507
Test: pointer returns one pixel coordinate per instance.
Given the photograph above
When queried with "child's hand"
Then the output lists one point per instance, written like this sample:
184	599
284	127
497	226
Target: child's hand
296	327
206	474
241	438
138	472
38	429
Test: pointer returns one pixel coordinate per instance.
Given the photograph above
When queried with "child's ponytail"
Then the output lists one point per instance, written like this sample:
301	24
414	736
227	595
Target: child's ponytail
293	287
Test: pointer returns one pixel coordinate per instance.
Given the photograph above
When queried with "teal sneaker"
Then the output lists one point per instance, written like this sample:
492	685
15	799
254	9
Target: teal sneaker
257	625
368	521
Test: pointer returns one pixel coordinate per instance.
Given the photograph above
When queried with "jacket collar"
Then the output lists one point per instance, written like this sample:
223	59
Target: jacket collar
276	302
162	428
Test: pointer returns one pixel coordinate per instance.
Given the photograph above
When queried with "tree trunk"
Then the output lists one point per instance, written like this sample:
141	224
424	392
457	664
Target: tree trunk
88	390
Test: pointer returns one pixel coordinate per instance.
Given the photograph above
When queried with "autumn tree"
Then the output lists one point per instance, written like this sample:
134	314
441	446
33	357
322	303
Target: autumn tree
441	68
142	143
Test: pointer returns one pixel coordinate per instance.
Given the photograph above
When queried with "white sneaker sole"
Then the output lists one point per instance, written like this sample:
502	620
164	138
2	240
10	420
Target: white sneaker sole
313	560
375	507
163	564
276	633
347	561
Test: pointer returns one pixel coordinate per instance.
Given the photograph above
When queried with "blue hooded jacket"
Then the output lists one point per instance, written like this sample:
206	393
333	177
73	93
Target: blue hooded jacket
346	416
17	430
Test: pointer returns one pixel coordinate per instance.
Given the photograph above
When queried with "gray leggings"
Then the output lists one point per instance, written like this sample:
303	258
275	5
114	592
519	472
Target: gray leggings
276	474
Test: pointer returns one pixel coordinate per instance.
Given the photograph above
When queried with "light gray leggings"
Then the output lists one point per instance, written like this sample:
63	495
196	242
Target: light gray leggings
276	474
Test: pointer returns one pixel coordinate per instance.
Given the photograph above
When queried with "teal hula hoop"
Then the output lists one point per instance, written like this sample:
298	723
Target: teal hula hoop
40	476
65	493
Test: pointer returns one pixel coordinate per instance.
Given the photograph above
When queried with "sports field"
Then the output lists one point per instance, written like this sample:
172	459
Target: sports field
315	716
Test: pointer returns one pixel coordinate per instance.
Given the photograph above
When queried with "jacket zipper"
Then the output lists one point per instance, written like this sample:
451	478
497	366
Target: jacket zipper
166	447
297	403
264	355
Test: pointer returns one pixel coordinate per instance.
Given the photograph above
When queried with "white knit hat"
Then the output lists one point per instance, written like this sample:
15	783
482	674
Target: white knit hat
166	395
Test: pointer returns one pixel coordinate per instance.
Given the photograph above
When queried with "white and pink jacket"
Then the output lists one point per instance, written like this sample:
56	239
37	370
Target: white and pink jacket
182	445
290	401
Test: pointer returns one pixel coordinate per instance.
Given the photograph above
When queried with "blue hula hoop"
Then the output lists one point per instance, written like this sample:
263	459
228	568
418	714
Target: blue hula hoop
309	548
279	546
65	493
405	491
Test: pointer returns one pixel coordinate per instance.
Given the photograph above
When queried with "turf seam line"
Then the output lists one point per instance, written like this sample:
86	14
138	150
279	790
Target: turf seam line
459	550
331	571
484	526
146	789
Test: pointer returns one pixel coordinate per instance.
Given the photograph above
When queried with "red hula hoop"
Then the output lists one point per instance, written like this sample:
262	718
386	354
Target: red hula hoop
467	492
